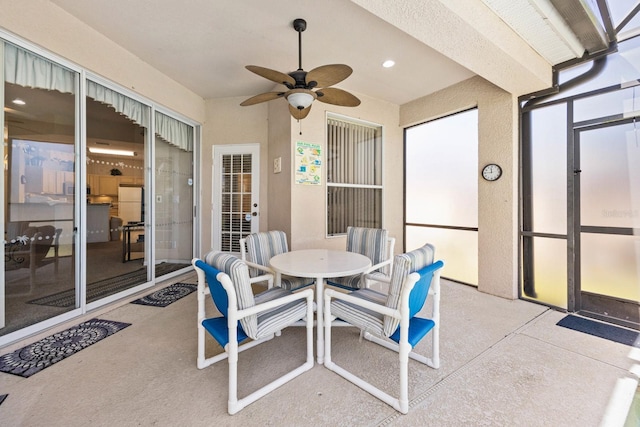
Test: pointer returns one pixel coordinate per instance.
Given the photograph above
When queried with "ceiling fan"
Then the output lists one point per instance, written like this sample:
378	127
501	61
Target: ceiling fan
300	84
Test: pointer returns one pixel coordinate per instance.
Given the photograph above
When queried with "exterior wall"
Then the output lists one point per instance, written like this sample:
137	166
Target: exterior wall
229	123
498	201
48	26
308	202
279	192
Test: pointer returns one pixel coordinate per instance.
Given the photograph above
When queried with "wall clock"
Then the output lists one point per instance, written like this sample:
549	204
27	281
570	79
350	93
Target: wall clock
491	172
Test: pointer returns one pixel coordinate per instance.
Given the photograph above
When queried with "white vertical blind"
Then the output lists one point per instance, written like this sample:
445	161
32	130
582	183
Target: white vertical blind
354	175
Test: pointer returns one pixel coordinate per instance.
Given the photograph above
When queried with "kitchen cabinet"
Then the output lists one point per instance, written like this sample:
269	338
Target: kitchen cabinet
108	185
133	180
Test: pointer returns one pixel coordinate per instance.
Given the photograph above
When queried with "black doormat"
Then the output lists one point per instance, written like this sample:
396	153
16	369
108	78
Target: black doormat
165	296
106	287
600	329
35	357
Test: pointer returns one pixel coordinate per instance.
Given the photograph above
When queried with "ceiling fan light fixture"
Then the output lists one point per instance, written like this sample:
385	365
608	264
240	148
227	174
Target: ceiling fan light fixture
301	100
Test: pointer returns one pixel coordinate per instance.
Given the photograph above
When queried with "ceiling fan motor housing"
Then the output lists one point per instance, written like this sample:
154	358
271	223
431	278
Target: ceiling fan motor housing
299	25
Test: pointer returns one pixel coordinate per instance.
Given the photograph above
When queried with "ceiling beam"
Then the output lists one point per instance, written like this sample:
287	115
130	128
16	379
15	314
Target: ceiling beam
469	33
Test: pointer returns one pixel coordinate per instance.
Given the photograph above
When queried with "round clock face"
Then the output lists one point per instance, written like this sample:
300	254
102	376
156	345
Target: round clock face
491	172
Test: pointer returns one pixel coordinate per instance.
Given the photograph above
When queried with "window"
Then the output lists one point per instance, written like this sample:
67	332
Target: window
441	170
354	175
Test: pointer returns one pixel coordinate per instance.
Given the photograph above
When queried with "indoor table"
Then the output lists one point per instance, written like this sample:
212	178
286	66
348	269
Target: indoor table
320	264
126	239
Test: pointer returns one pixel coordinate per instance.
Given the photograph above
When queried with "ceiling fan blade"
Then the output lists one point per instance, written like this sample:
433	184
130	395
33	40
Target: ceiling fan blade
273	75
263	97
328	75
335	96
299	114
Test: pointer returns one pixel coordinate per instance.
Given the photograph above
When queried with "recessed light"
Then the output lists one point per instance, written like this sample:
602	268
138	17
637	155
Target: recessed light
388	63
18	101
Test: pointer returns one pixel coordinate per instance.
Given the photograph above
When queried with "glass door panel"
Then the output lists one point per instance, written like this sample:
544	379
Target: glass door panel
117	139
173	195
610	219
235	194
39	124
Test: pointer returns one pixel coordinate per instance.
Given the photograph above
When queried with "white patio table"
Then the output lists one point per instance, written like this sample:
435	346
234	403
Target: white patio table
320	264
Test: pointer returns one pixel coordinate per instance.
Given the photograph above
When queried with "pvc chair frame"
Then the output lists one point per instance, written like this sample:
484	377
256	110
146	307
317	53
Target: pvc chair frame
403	347
232	349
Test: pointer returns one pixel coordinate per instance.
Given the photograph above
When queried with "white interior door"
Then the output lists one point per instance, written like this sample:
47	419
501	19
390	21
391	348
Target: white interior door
236	205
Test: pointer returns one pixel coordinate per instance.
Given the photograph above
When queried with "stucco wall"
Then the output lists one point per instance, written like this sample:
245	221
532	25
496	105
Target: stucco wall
229	123
279	191
497	201
299	210
307	211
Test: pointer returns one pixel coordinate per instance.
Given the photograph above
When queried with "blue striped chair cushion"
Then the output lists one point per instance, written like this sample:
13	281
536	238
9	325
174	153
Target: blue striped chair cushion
239	274
358	316
261	247
265	323
292	283
403	265
280	317
348	282
370	242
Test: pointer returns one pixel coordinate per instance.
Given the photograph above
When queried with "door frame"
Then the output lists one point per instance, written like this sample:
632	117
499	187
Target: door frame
216	195
604	307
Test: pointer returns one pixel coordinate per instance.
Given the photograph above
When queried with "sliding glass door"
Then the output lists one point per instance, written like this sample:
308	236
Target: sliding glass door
117	143
39	122
98	199
173	194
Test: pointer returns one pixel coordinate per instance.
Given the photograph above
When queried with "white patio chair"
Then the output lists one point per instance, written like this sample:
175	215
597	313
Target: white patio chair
390	320
246	318
374	243
258	248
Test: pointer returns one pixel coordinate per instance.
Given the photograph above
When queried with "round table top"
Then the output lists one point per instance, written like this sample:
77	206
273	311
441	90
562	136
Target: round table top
320	263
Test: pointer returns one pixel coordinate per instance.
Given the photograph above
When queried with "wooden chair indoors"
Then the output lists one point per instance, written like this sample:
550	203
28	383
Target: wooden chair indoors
391	320
245	317
30	247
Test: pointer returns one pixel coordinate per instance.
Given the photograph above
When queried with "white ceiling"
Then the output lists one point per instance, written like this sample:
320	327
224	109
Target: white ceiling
205	44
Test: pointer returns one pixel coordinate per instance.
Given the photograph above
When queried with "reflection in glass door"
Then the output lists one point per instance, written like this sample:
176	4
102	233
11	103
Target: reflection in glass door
117	140
608	237
38	281
173	195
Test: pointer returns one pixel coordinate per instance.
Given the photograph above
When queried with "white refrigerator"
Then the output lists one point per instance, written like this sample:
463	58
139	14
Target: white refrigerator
131	204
